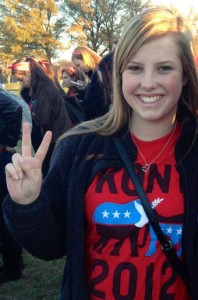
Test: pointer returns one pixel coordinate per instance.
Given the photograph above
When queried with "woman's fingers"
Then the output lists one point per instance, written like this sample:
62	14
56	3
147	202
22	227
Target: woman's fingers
26	141
10	171
27	144
23	164
15	160
43	148
18	167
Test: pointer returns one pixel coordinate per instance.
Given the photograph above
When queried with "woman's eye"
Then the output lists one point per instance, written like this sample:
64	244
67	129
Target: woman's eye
165	69
135	69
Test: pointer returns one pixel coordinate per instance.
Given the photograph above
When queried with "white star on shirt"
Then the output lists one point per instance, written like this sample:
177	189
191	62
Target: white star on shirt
169	230
127	214
116	214
105	214
179	231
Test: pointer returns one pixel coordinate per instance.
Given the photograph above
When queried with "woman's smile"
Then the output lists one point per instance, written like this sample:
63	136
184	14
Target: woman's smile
153	80
149	99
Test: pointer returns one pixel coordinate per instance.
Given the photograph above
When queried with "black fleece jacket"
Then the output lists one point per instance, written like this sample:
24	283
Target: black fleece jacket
54	225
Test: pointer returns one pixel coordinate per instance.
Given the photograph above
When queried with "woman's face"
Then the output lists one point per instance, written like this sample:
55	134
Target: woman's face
80	65
153	80
66	80
23	78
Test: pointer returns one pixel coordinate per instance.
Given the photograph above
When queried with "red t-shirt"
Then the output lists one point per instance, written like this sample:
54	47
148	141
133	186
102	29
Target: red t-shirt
124	260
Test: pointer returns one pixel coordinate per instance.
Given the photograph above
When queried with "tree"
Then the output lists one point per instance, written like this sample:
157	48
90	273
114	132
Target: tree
98	23
29	27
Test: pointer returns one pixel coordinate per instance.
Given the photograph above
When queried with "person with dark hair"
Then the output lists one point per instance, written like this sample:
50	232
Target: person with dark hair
98	94
48	108
105	74
89	208
10	129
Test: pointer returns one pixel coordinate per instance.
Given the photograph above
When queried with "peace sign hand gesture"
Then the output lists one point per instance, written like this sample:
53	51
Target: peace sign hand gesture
24	175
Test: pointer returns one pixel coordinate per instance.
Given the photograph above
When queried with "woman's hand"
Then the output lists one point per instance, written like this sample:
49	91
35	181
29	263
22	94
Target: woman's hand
24	175
81	85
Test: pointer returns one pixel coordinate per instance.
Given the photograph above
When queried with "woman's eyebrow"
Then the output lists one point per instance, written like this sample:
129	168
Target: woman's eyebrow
156	63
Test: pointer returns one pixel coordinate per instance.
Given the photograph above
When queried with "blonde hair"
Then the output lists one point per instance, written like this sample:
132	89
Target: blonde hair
91	58
146	26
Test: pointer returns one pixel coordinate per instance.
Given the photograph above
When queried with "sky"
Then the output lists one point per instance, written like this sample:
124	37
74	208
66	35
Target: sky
182	5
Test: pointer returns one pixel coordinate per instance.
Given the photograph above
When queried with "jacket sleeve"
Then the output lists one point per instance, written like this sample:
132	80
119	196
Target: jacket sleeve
10	120
41	226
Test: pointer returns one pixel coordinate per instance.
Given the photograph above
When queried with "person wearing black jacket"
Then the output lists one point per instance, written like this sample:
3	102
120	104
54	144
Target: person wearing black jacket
10	129
98	93
94	103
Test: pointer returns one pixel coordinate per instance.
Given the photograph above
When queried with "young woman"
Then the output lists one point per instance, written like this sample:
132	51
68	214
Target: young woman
87	207
75	80
48	107
85	59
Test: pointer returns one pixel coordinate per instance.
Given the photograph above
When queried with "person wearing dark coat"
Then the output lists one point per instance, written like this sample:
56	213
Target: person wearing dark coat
10	129
98	93
48	107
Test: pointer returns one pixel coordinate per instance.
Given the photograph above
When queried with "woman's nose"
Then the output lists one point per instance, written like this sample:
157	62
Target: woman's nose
148	81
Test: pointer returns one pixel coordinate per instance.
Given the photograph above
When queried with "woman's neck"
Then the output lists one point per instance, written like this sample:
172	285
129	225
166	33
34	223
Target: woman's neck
148	131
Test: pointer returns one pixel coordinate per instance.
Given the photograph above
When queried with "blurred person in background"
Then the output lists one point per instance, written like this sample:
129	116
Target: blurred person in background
26	96
74	80
104	70
10	129
98	95
85	59
94	103
26	115
48	107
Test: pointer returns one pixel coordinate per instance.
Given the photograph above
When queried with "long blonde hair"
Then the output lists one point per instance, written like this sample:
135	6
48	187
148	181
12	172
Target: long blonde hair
91	58
144	27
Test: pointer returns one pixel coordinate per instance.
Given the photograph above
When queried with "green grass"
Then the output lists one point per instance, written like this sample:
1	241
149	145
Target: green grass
41	280
13	87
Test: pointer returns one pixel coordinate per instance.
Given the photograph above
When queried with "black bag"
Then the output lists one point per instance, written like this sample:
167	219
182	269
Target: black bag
75	109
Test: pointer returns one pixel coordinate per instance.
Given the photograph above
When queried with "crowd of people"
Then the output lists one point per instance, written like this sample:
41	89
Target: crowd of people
73	196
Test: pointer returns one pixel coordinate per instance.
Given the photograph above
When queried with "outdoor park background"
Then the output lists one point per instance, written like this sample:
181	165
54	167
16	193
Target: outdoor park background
53	28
